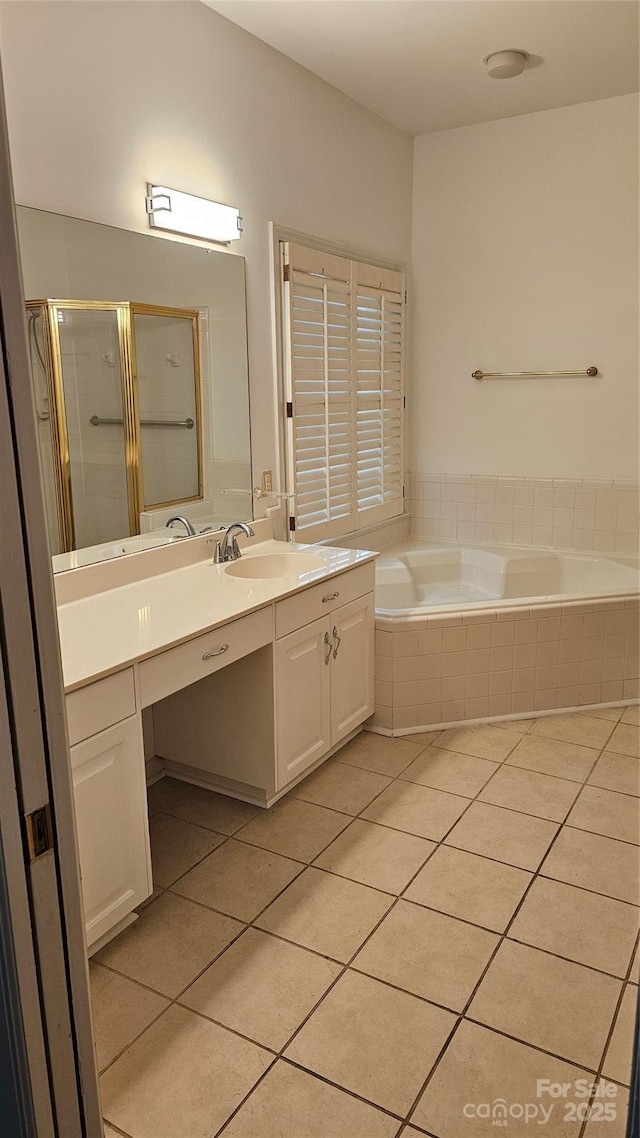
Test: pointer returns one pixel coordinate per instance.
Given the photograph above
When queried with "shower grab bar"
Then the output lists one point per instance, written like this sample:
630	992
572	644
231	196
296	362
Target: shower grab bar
189	424
591	371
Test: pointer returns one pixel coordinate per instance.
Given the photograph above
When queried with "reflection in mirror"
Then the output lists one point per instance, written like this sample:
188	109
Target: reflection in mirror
142	398
167	379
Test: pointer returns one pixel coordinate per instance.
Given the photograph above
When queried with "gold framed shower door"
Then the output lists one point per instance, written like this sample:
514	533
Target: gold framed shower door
50	310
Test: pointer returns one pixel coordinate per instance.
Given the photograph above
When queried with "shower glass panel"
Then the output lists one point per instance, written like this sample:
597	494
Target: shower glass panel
92	390
168	387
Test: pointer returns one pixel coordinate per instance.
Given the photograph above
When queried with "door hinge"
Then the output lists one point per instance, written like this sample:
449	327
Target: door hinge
405	296
292	525
289	410
286	272
38	832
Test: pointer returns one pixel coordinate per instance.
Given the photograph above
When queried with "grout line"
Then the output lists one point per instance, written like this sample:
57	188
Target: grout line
395	898
496	950
116	1128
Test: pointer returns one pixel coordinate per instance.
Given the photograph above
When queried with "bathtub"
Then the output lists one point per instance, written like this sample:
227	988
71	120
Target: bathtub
475	633
416	576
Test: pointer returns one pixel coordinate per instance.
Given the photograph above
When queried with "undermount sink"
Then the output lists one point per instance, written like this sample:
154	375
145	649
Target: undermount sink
274	565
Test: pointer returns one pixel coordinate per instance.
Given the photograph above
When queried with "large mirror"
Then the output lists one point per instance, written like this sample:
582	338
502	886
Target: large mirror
139	358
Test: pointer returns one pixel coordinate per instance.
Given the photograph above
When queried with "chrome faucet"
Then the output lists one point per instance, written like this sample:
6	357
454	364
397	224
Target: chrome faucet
226	552
186	523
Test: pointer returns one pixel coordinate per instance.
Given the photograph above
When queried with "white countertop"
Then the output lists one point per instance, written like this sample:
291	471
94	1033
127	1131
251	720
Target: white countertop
101	634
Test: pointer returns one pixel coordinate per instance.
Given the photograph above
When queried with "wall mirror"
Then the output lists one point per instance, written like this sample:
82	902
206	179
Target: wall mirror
139	359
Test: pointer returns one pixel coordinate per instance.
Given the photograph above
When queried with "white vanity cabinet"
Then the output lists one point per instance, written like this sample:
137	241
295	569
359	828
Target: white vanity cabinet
110	802
245	709
324	678
289	689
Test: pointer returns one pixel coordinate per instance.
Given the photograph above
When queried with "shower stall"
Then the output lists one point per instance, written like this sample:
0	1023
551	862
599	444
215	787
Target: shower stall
118	400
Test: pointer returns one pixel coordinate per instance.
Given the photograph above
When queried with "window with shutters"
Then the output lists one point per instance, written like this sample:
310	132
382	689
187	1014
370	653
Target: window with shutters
344	374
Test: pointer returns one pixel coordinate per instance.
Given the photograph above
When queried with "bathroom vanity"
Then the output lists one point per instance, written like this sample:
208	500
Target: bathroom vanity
254	672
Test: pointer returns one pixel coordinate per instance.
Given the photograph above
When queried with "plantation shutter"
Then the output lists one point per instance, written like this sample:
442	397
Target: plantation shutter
343	347
380	393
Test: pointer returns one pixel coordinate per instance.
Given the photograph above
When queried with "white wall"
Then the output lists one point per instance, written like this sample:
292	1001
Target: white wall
104	97
525	239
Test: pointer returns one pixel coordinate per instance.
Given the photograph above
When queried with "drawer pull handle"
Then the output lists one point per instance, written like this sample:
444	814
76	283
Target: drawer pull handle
327	640
330	597
218	652
338	640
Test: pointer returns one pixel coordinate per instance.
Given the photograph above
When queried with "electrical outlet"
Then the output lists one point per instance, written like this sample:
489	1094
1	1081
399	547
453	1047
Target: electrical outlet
267	481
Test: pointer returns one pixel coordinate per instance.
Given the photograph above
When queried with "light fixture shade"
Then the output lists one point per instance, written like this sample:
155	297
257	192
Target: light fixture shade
506	64
177	212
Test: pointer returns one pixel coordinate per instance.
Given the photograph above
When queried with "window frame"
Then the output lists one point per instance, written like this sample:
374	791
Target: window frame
359	521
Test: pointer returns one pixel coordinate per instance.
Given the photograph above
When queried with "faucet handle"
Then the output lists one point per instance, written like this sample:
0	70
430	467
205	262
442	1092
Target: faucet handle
217	557
235	549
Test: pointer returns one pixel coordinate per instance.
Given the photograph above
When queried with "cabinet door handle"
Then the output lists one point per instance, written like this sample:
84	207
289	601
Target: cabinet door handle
218	652
330	597
338	640
327	640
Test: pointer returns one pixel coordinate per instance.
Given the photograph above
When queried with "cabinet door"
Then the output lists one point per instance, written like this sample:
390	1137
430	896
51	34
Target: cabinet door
111	820
352	661
303	713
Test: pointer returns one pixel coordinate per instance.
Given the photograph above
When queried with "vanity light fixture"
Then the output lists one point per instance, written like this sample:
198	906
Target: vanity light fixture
177	212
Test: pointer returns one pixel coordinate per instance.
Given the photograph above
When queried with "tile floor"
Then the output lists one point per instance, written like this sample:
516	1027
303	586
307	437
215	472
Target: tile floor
421	927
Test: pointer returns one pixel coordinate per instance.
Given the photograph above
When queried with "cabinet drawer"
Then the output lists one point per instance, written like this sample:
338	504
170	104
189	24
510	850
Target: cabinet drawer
100	705
170	671
319	600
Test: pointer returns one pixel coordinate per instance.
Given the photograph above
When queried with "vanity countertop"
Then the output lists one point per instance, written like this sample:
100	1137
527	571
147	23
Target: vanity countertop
103	633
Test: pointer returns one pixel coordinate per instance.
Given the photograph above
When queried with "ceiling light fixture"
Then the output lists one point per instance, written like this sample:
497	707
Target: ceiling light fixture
195	217
506	64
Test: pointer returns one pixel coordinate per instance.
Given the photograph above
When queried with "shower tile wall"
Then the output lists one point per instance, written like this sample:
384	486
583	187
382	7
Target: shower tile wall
92	383
492	663
560	513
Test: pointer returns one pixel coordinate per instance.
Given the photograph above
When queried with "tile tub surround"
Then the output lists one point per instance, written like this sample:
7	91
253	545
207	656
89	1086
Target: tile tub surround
447	668
556	513
307	994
